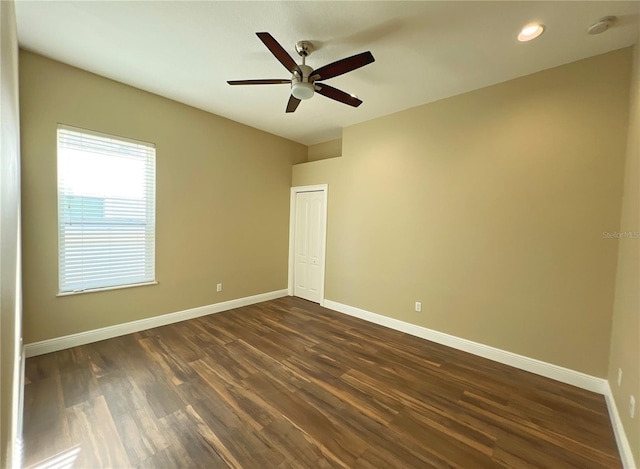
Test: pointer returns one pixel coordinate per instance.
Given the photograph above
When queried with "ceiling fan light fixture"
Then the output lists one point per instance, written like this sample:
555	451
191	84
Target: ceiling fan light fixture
530	31
302	90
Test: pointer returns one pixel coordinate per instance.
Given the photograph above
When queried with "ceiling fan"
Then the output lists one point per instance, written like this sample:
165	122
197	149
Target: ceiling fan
305	81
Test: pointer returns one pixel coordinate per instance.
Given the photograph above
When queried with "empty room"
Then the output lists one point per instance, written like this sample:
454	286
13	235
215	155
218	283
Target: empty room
357	234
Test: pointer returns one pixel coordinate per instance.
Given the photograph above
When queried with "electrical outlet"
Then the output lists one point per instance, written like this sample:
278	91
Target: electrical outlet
632	406
219	287
619	376
418	306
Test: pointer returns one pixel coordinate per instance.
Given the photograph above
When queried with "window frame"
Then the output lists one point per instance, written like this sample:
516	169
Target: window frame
149	217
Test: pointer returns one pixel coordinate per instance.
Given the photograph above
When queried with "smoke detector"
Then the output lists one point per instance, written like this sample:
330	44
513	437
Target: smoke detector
601	25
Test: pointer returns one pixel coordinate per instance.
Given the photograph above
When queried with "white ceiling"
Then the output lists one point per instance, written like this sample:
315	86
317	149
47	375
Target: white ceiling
424	51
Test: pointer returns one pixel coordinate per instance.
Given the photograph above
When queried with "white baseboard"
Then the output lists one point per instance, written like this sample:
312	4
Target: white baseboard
19	443
95	335
621	437
558	373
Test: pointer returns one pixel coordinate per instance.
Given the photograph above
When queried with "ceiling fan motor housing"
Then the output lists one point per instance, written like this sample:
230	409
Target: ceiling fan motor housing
301	88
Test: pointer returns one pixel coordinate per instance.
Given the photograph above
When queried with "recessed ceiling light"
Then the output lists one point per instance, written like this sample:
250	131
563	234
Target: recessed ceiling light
530	31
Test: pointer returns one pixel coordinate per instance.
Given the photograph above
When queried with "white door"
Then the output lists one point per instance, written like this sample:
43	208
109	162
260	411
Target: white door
308	249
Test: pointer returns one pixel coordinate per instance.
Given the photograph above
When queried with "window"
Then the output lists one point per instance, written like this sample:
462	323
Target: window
106	211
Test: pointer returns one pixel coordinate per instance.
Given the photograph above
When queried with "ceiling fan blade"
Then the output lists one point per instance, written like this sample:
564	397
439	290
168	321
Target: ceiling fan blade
338	95
292	105
343	66
274	81
278	51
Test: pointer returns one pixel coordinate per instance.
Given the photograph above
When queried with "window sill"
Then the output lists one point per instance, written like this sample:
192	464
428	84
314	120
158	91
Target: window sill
118	287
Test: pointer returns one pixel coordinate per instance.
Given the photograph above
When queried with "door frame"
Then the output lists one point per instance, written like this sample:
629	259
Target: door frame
324	188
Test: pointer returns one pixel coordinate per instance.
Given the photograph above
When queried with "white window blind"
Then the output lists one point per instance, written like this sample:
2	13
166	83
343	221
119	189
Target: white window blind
106	210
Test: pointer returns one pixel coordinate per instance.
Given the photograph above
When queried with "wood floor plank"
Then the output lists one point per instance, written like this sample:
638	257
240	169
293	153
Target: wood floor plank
175	336
100	445
41	367
233	366
139	430
44	416
522	450
233	439
176	369
76	376
334	440
443	446
200	450
513	424
383	441
289	384
298	449
247	406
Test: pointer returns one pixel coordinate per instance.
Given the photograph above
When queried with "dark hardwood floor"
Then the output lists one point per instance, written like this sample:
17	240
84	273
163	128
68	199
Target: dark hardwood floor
289	384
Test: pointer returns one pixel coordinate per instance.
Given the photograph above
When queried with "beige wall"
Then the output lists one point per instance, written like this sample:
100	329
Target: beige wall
222	200
322	151
625	334
489	208
10	294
